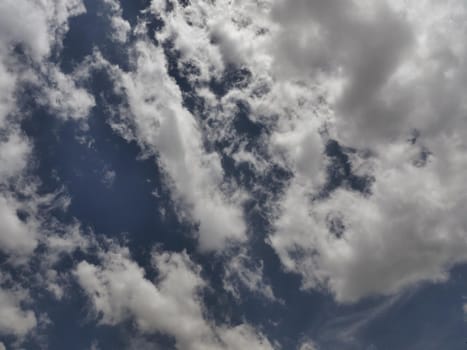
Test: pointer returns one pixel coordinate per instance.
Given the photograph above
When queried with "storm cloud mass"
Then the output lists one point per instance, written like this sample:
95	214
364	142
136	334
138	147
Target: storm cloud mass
233	174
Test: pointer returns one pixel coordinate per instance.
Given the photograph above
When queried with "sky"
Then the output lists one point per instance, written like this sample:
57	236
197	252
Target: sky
233	174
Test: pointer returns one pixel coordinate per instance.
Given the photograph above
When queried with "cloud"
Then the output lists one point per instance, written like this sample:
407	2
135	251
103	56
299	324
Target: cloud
410	227
369	75
162	126
383	79
16	237
13	318
120	27
25	60
346	330
213	36
47	25
14	153
242	271
64	98
118	291
108	177
307	345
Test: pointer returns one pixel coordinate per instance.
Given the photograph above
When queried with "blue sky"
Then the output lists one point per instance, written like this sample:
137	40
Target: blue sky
232	174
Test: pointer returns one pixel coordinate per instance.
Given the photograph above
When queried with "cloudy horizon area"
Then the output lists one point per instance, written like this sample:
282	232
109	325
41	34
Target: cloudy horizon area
233	174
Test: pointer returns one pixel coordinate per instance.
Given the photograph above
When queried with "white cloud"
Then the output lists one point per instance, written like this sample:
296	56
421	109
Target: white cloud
13	318
211	36
35	36
16	237
47	24
242	271
64	239
119	290
411	227
34	28
63	98
7	86
163	127
371	75
120	27
14	153
307	345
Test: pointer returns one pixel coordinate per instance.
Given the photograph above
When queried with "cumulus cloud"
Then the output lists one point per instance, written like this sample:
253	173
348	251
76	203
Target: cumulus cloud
120	27
119	290
390	240
14	152
47	24
13	318
25	53
163	127
383	79
213	36
410	228
64	98
16	237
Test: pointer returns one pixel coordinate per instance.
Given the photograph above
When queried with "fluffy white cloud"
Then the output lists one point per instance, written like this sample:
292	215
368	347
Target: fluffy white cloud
211	36
64	98
120	27
385	79
16	237
410	228
119	290
13	318
162	126
14	153
241	271
47	23
29	32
